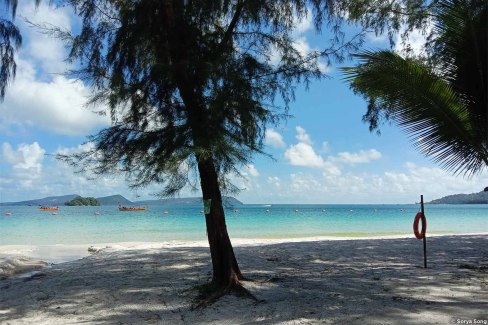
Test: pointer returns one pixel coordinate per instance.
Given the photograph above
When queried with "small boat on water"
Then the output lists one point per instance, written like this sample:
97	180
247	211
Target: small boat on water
132	208
43	208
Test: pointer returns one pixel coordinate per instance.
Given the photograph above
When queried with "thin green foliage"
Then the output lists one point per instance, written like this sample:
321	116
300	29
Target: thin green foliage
192	80
187	81
10	41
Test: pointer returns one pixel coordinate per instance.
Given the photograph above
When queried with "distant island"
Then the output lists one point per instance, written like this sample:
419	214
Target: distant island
119	200
473	198
86	201
114	200
227	200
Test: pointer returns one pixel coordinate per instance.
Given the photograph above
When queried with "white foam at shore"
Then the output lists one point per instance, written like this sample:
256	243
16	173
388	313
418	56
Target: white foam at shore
21	259
52	254
16	259
19	264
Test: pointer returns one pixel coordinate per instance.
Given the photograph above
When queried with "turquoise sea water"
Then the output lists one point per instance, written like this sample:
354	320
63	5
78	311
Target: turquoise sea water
80	225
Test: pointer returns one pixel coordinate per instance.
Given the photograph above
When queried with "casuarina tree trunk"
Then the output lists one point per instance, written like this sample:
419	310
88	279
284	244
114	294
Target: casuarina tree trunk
226	273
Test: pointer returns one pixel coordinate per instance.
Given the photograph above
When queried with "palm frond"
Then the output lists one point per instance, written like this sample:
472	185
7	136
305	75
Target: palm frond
424	105
460	54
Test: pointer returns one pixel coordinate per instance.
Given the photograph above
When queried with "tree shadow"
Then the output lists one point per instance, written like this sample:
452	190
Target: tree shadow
363	281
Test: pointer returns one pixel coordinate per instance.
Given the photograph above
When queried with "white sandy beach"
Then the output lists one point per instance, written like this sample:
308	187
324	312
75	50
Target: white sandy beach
366	281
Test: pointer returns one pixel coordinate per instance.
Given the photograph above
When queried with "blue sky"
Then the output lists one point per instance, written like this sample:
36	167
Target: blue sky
324	153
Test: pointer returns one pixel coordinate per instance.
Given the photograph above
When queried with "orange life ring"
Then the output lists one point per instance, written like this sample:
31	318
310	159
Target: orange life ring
419	216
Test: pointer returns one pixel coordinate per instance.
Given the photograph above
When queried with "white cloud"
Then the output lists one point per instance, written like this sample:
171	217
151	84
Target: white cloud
325	147
251	171
274	180
25	162
324	68
26	157
37	98
10	155
302	154
44	49
34	176
393	186
301	45
301	184
56	105
274	139
416	40
302	24
78	149
59	16
372	37
302	135
331	169
361	157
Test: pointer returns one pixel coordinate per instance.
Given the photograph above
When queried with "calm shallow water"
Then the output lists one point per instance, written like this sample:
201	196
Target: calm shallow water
80	225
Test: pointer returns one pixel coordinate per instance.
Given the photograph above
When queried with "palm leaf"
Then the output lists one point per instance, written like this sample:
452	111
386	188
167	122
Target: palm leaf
424	105
459	53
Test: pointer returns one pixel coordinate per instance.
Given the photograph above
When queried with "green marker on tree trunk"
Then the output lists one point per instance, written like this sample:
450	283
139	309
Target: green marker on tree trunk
206	206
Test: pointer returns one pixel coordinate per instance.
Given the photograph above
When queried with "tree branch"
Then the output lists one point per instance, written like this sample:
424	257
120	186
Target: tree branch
316	55
232	25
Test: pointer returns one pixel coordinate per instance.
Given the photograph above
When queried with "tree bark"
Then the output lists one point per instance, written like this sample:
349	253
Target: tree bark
226	272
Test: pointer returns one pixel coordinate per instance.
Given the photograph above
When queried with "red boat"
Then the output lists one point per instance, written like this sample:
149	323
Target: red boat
48	208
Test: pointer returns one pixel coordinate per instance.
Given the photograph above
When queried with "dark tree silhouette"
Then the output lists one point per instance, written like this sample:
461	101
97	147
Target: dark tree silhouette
191	86
10	41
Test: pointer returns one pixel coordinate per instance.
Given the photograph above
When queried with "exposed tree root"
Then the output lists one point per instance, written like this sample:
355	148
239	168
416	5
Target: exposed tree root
243	278
210	293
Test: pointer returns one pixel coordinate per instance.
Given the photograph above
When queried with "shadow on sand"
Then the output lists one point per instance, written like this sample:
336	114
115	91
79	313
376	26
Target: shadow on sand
355	281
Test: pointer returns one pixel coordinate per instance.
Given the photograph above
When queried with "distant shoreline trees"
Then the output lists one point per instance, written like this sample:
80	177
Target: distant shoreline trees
78	201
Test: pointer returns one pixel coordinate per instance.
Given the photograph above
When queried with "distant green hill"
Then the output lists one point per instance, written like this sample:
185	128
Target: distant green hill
48	201
83	201
473	198
228	201
120	200
114	200
61	200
